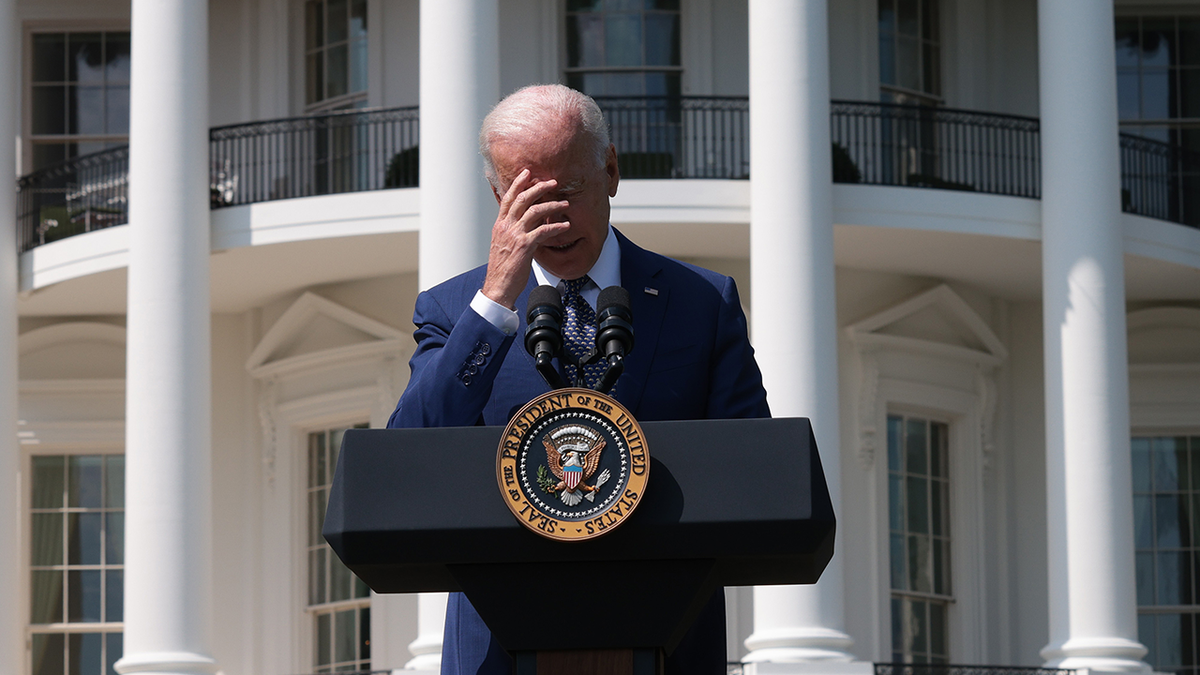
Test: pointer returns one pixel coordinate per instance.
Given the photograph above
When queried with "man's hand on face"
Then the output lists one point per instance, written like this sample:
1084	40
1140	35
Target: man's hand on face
522	225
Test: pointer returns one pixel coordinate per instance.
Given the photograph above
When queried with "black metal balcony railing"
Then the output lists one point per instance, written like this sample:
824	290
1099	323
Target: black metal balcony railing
658	137
80	195
921	146
346	151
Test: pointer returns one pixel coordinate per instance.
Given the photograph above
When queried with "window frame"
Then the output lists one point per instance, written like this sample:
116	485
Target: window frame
351	99
565	70
100	447
29	28
902	94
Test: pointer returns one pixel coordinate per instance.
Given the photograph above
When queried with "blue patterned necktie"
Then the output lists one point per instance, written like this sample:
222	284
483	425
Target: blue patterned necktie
579	328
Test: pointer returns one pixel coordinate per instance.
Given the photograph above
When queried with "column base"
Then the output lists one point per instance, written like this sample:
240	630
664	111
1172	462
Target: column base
166	663
799	645
1107	655
811	668
431	662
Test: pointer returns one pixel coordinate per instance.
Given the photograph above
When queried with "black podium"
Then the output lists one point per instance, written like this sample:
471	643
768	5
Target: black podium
728	503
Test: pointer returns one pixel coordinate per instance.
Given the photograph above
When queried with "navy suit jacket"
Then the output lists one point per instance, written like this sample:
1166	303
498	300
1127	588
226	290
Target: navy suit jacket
691	359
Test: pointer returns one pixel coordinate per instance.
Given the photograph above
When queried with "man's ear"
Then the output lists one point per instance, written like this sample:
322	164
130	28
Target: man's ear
613	171
494	192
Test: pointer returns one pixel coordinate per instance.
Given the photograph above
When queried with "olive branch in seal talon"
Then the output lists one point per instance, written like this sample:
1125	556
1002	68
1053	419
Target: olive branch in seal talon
545	480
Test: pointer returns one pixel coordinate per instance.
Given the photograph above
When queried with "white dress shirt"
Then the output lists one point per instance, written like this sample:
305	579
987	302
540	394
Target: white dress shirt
606	272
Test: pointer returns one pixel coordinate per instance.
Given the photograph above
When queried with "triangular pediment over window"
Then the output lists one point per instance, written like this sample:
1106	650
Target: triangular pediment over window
314	331
937	321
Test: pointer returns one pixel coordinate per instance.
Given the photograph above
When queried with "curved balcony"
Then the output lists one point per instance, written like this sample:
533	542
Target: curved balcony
671	138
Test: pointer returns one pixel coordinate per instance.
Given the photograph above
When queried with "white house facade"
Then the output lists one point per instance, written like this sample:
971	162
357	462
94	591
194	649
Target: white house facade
966	232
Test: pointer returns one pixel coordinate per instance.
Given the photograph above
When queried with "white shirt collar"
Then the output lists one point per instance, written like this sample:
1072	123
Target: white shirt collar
606	272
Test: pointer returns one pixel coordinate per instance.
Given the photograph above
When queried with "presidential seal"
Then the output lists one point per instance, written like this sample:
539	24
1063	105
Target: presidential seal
572	464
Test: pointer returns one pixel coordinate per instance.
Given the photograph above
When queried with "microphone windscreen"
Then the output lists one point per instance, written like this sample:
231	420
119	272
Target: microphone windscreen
546	295
613	296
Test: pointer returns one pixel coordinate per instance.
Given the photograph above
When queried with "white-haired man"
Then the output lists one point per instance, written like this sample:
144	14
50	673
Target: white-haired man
553	170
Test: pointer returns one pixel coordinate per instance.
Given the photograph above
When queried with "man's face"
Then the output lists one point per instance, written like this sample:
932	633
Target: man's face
569	159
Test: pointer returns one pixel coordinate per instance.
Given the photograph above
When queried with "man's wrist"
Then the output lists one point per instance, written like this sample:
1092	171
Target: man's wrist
495	313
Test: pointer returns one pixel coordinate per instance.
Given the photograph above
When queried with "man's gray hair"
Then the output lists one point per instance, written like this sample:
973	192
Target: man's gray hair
530	111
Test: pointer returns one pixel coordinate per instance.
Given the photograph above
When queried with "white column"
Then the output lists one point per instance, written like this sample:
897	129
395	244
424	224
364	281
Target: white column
431	621
168	521
12	646
792	277
1089	505
460	82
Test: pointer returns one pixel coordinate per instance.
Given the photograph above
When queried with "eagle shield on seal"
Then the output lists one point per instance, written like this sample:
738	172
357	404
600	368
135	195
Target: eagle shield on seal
573	453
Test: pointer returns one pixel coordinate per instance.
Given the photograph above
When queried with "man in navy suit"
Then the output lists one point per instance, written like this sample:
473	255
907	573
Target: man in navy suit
553	170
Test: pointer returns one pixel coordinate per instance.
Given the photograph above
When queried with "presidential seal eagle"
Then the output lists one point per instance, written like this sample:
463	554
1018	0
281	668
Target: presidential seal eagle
573	453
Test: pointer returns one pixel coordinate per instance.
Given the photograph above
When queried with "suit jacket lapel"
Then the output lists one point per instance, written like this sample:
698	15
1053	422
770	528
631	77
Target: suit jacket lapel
639	272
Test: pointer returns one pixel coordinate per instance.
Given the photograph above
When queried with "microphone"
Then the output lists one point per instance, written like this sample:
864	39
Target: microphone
543	336
614	333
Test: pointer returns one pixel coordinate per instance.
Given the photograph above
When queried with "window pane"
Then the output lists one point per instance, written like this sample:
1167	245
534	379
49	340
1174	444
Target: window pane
316	577
49	109
46	604
907	17
85	60
358	19
897	624
83	596
585	41
916	458
1170	646
315	80
85	110
49	57
316	460
1170	566
340	580
358	65
908	70
1156	102
936	508
895	503
1127	42
114	538
897	562
116	110
86	657
47	535
345	639
116	57
83	538
623	40
931	69
361	590
314	24
1143	523
917	621
887	58
919	564
1146	636
114	595
1166	513
940	567
662	39
364	633
895	426
114	649
114	481
324	639
937	629
1158	41
337	28
917	501
1189	100
1127	95
48	651
84	481
1141	464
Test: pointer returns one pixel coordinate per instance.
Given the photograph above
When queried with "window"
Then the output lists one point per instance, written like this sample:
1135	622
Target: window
335	54
1158	98
623	47
909	52
1166	513
338	601
79	94
919	538
77	553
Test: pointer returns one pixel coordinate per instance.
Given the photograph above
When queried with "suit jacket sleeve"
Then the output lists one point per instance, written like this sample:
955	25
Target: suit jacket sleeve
736	390
453	368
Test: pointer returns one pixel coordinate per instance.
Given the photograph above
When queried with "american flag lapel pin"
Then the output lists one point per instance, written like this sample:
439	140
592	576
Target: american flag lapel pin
651	291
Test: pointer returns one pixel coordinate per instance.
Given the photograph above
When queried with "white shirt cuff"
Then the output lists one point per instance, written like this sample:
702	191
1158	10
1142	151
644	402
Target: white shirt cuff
496	314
